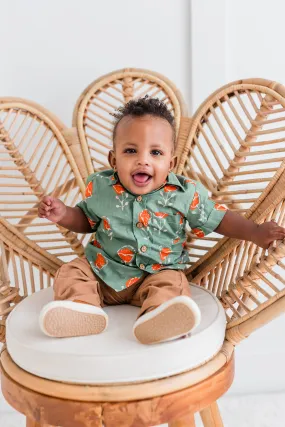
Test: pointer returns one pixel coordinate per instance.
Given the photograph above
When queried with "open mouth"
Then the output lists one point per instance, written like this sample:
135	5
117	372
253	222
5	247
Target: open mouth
141	179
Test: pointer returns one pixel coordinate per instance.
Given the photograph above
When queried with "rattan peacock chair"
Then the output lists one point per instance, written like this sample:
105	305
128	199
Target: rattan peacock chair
234	144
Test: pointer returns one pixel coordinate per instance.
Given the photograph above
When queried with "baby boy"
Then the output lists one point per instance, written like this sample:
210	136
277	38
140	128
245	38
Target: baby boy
139	210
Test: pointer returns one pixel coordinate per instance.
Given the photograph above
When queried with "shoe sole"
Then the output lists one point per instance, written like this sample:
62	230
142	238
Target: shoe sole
60	322
172	322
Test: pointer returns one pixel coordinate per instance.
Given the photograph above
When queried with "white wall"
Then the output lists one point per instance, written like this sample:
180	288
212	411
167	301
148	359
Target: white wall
50	51
208	48
255	39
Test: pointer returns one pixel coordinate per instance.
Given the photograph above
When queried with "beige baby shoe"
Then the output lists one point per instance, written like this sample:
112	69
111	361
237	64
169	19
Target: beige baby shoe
72	319
172	319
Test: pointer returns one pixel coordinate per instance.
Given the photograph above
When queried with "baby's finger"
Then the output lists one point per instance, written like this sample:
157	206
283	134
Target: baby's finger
43	211
281	229
279	236
277	229
44	208
47	200
42	215
47	208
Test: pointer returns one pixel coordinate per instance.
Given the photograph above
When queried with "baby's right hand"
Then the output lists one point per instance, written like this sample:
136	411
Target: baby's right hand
52	209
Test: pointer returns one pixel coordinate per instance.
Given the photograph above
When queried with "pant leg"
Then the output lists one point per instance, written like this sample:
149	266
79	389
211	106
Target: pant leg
75	280
160	287
112	297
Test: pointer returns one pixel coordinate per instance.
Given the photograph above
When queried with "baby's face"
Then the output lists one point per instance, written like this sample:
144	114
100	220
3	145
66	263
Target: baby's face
143	153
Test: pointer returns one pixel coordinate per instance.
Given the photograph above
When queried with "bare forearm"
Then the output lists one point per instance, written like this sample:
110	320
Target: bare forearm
75	220
238	227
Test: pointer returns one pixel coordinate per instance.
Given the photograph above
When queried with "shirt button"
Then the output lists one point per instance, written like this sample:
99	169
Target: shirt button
139	224
144	248
142	266
139	198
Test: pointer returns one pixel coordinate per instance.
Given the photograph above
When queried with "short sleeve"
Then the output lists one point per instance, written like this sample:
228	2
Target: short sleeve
87	205
204	215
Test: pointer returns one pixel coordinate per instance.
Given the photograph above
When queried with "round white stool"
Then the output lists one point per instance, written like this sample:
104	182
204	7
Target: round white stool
111	374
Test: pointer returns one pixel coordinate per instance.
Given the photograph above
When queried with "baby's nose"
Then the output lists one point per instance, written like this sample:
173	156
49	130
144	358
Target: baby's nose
143	159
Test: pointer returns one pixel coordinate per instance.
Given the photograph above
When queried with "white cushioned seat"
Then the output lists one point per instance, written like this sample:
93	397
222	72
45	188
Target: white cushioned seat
113	356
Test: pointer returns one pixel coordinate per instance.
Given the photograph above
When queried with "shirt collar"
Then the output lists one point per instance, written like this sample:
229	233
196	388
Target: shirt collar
171	179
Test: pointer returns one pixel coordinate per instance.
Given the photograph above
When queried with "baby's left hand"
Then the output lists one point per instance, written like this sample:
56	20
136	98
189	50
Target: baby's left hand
266	233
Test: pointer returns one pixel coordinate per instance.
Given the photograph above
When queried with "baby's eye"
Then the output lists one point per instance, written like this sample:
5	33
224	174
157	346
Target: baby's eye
130	150
156	152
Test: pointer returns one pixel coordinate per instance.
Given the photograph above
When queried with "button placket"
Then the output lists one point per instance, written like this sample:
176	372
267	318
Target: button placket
139	233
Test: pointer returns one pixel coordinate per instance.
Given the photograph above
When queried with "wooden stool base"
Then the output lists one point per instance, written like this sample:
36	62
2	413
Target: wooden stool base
32	423
176	408
187	421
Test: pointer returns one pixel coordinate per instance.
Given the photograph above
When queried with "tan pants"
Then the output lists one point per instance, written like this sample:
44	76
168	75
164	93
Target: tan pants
76	281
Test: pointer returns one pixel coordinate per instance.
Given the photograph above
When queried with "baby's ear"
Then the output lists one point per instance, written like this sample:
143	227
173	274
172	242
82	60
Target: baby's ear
112	159
173	162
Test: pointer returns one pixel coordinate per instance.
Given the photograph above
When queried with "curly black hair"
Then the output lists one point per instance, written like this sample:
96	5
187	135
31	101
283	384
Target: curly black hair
141	107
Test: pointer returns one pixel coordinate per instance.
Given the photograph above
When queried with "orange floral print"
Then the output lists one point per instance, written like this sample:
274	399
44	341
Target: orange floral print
164	253
195	201
131	281
176	240
181	217
184	244
198	232
88	190
144	217
161	214
100	261
156	267
119	189
106	224
219	207
91	222
189	181
169	188
126	254
96	243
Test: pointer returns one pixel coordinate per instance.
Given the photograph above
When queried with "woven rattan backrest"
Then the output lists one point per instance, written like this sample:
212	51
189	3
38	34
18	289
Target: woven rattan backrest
236	148
36	161
92	115
36	158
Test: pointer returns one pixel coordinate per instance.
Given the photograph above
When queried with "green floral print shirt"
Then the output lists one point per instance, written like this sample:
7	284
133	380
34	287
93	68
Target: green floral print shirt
137	234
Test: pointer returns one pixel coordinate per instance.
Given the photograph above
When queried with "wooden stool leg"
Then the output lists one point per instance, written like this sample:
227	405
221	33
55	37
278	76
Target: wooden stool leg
187	421
211	416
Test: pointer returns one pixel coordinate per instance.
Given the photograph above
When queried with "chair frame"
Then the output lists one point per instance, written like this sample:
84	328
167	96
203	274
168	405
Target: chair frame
175	399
